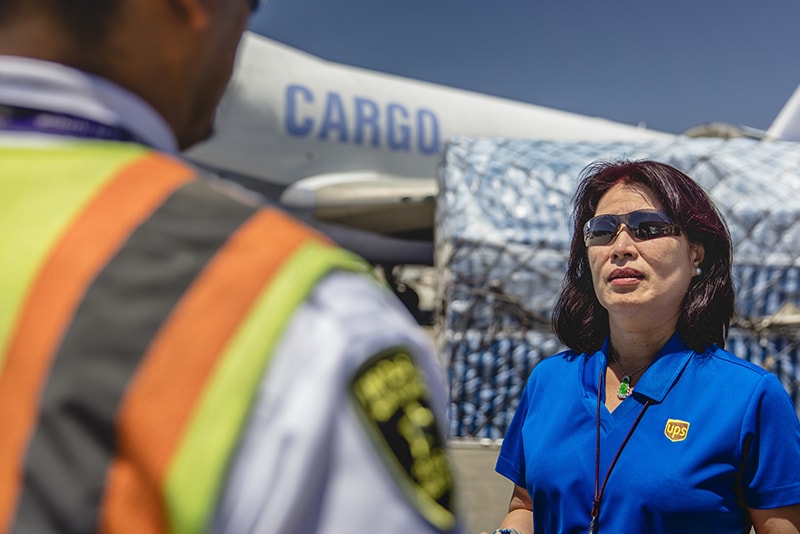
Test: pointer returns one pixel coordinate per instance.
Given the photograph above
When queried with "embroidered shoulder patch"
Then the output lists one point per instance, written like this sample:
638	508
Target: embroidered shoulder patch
392	399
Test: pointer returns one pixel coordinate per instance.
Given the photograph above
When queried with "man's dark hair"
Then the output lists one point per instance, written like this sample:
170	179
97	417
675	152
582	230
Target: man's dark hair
89	21
578	318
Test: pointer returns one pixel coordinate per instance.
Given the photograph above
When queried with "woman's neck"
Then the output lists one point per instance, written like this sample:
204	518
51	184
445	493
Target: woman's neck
635	348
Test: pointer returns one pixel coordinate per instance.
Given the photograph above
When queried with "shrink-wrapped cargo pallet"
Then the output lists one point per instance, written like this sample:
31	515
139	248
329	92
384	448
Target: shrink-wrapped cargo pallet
503	233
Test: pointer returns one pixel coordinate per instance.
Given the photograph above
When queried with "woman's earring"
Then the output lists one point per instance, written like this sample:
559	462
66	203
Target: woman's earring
698	271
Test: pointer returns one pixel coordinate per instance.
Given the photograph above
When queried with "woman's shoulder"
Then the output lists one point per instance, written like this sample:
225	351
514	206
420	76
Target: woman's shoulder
551	371
731	361
734	370
558	361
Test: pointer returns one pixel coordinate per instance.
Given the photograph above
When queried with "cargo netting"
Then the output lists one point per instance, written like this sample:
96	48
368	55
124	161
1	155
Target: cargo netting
502	237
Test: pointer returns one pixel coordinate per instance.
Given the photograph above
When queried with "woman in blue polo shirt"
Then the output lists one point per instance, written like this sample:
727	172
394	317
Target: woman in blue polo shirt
647	424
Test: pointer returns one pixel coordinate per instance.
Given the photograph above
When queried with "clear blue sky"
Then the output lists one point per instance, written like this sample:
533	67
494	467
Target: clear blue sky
669	64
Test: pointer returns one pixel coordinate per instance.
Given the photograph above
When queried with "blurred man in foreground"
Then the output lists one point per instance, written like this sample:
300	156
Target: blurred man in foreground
174	355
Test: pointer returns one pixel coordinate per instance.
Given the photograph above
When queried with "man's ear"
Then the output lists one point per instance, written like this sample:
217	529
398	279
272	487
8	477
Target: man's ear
195	13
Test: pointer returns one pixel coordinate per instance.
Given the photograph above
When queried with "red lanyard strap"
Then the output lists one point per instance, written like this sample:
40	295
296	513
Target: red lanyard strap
599	490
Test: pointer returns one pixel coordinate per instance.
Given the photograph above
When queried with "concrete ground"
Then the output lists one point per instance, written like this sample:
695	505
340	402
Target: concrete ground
484	494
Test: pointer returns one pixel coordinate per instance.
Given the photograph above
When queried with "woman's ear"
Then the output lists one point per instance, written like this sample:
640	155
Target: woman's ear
697	253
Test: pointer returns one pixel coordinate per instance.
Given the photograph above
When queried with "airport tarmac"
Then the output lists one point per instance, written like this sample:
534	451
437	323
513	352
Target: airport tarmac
483	494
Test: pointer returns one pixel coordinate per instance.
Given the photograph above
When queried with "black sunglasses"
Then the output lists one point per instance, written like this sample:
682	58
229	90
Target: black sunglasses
642	224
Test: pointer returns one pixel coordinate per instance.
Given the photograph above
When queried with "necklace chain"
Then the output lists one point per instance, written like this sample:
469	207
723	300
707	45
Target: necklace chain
625	389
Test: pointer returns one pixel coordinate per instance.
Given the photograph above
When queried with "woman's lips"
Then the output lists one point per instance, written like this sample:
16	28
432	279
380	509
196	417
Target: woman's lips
625	276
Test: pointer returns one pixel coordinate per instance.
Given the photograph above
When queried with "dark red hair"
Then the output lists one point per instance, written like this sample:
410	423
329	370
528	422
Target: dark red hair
578	318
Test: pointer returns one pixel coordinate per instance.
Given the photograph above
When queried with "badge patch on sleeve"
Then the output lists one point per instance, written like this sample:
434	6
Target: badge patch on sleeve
392	399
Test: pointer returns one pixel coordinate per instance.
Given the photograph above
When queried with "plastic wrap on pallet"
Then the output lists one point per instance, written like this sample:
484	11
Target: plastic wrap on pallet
502	238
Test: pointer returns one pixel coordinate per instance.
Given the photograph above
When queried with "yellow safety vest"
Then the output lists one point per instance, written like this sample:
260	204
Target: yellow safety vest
140	307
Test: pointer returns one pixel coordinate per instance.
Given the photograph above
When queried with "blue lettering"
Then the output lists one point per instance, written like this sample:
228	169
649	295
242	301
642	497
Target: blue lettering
365	123
293	127
427	124
366	117
398	132
335	118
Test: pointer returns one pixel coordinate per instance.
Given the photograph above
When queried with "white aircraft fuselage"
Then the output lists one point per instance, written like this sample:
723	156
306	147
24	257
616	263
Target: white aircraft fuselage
356	147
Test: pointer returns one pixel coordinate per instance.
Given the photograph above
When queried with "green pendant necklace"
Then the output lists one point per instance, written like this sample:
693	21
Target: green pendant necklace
625	388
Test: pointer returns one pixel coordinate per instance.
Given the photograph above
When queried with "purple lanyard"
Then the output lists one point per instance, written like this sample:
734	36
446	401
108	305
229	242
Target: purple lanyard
20	119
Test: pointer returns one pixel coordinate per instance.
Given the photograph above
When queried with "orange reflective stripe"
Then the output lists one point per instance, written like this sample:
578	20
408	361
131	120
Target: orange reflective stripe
179	364
83	250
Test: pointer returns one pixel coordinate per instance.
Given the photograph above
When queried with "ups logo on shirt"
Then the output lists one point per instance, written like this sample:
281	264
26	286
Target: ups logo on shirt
676	430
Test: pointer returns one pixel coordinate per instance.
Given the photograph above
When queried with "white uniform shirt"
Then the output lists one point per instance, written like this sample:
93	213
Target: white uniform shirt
307	461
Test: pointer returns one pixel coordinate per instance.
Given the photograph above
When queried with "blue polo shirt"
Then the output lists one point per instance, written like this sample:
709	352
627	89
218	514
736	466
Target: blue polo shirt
720	436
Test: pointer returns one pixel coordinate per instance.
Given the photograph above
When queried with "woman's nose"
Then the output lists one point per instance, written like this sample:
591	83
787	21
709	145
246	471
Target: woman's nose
624	244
